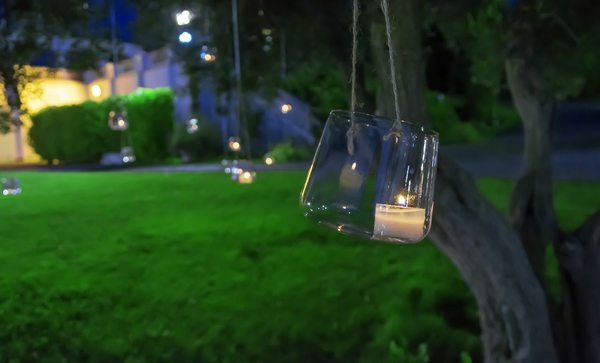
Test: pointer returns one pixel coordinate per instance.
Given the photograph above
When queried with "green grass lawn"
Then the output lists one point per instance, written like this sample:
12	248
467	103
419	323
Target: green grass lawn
149	267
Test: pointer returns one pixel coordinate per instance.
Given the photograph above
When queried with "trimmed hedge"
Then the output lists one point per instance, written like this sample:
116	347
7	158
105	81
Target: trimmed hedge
80	133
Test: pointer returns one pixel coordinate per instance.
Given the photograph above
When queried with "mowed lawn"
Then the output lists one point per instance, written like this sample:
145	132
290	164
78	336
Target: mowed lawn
153	267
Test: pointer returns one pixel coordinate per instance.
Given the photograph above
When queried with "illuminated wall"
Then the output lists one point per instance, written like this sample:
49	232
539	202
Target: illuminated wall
60	87
41	94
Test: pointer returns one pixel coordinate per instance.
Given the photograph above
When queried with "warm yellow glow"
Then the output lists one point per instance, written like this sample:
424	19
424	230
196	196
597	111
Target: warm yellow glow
286	108
209	57
121	123
53	92
96	91
269	160
401	200
234	145
246	177
47	90
354	165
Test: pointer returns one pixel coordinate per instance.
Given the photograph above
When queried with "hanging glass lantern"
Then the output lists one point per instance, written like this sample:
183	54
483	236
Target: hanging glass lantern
226	164
117	120
10	186
234	144
373	177
191	125
269	159
247	177
128	154
243	171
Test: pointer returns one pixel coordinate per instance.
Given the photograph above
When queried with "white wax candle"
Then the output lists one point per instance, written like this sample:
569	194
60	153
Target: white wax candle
398	222
246	177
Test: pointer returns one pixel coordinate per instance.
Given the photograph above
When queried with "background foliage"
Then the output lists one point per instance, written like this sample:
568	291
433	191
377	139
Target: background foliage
80	133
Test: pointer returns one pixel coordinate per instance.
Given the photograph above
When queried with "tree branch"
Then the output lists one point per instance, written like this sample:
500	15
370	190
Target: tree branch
578	255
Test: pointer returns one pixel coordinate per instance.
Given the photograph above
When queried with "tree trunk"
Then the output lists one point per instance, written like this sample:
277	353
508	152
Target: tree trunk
482	244
578	257
485	248
410	63
577	318
531	207
14	103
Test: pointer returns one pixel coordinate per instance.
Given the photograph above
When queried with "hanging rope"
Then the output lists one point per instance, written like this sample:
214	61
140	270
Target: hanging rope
242	124
388	29
355	11
352	130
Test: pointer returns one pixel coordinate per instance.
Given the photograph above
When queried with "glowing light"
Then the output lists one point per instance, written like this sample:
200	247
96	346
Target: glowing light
267	31
246	177
269	160
192	125
184	17
117	120
234	144
401	200
185	37
354	165
96	90
207	57
127	154
285	108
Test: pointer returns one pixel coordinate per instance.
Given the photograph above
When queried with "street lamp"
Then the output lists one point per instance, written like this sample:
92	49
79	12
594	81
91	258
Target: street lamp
185	37
183	17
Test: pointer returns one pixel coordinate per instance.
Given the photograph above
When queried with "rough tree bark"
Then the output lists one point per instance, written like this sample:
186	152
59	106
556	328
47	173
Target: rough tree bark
577	317
482	244
578	255
531	204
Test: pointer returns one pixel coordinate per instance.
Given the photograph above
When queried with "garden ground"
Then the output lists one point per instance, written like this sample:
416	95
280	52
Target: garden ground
190	267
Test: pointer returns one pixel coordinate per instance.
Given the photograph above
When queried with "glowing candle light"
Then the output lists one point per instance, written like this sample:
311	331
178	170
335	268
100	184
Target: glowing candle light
399	221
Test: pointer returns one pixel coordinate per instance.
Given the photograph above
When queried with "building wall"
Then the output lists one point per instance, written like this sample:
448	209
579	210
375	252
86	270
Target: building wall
57	88
44	93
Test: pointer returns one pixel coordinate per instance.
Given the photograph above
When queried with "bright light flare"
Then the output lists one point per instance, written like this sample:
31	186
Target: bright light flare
286	108
183	17
185	37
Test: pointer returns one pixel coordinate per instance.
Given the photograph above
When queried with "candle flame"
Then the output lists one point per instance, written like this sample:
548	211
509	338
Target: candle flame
401	200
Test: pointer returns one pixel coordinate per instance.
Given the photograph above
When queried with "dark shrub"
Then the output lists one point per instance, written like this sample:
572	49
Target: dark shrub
80	134
204	144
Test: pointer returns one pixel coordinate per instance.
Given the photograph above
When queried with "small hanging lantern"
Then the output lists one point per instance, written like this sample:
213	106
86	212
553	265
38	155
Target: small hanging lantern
269	160
10	186
128	154
234	144
191	125
117	120
373	177
286	108
247	177
226	164
243	171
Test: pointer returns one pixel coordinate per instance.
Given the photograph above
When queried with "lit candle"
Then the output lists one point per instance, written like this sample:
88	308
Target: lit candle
399	221
246	177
